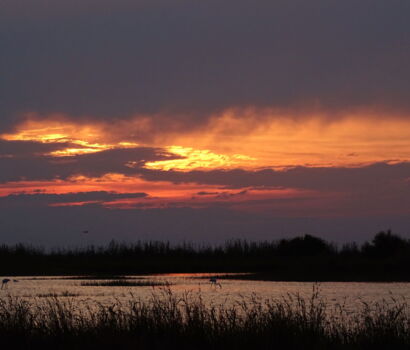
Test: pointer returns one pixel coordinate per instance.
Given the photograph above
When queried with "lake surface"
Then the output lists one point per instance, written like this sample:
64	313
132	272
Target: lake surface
352	295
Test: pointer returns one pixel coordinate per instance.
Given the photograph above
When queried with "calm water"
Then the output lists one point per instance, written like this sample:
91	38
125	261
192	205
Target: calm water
350	294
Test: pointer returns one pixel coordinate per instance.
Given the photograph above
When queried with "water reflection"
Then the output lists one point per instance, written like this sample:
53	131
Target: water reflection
351	294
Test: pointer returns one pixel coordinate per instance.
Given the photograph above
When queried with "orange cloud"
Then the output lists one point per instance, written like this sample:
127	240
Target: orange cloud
248	138
280	141
90	138
159	193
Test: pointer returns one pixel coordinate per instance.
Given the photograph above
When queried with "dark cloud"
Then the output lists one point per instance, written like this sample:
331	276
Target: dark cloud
111	59
227	195
26	164
369	190
379	188
222	194
43	199
21	149
206	193
370	177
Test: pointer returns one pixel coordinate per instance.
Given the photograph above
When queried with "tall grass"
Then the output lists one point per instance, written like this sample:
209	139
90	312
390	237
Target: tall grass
170	321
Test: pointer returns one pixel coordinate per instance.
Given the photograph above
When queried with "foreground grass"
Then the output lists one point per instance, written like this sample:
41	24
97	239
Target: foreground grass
170	321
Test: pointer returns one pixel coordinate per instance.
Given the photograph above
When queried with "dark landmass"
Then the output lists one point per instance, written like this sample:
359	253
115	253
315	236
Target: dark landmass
305	258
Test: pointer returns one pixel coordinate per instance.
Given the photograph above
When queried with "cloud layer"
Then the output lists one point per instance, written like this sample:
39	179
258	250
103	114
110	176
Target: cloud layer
201	119
188	59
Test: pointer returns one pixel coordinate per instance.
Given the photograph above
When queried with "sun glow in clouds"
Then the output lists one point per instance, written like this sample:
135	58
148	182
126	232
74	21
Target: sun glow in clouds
51	131
91	139
249	139
197	159
228	141
282	141
86	137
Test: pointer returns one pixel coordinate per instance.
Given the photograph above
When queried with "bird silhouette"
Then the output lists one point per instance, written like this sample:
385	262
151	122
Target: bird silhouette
214	282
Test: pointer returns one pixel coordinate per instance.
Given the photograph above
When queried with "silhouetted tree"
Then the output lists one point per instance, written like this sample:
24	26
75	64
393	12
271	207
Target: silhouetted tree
386	244
350	249
304	246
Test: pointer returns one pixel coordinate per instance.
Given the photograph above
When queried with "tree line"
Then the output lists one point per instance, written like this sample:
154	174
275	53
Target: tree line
385	257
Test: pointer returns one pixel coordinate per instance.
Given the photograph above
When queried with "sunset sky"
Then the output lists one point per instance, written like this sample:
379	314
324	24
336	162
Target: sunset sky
203	120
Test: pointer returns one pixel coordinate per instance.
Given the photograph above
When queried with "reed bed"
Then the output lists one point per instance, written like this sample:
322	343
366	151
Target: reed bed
185	321
125	283
65	293
97	277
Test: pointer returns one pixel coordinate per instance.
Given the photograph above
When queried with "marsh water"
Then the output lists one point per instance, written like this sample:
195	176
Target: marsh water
230	291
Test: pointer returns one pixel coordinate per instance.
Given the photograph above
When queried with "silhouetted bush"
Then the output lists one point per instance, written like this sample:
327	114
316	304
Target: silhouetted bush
304	246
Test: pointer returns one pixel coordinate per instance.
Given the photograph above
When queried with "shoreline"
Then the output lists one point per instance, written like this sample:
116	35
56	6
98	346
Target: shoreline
244	276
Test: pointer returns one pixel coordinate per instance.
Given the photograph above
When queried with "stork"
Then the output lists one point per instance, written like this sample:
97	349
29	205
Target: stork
214	282
4	283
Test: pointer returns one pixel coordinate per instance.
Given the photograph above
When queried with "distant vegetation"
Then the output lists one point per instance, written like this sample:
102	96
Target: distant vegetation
307	258
57	295
167	321
124	283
